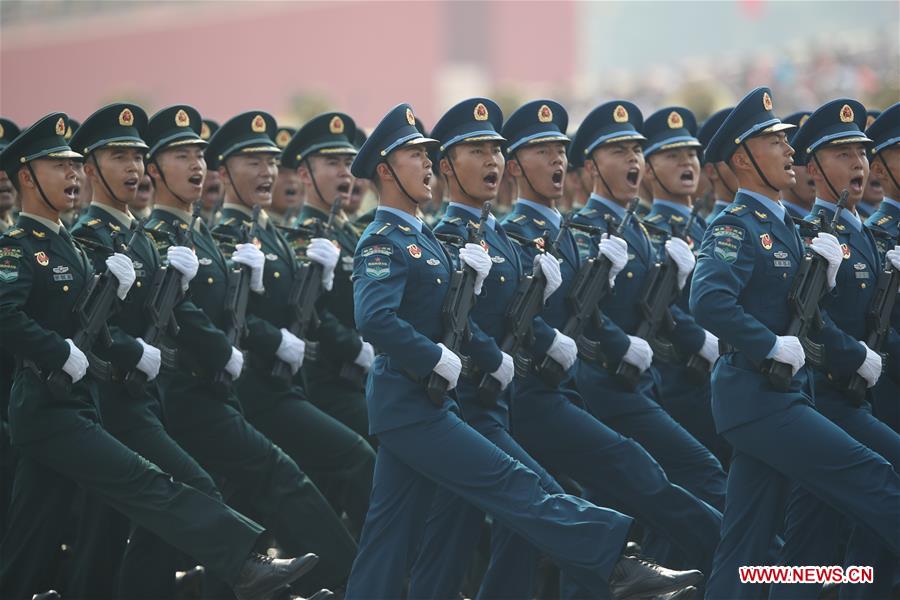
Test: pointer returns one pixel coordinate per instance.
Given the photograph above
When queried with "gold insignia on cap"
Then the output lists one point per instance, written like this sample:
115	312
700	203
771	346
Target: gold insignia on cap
336	125
204	132
675	121
126	117
283	137
767	101
61	126
869	120
481	112
545	115
258	124
410	118
846	114
803	120
182	119
1	130
620	115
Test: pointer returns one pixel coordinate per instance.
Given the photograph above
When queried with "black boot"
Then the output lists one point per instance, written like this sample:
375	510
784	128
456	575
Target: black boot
637	578
261	576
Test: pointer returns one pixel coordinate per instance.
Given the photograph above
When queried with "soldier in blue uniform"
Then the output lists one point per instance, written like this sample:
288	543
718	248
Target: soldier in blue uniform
672	156
401	276
58	436
724	182
885	225
551	421
833	147
798	198
874	193
747	263
608	145
254	474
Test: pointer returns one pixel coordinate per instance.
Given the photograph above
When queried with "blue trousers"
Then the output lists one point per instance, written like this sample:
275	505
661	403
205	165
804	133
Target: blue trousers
414	460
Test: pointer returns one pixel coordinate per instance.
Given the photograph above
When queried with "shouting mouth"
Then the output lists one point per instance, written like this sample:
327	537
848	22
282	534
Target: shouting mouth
632	176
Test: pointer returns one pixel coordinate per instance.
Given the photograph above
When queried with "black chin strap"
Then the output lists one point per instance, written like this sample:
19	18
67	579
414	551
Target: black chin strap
890	173
103	180
162	177
603	181
758	170
544	198
40	189
722	179
825	177
655	176
316	185
400	185
233	186
459	183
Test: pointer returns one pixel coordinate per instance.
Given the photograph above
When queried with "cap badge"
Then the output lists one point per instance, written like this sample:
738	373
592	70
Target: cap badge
869	120
283	137
767	101
204	132
675	121
1	130
545	115
620	115
846	114
258	125
410	117
336	125
182	119
126	117
69	133
481	112
61	126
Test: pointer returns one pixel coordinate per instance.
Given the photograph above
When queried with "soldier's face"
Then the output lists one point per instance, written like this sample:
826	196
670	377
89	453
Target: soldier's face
57	179
891	156
286	192
874	192
479	168
144	196
676	170
212	189
253	176
332	175
360	188
774	156
184	168
545	167
122	168
805	188
85	191
7	192
413	169
846	167
622	167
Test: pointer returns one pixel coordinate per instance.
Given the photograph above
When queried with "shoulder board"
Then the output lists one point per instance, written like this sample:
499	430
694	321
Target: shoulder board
586	212
15	233
655	218
675	219
883	220
94	223
840	227
737	209
518	218
453	220
310	221
228	221
381	228
760	216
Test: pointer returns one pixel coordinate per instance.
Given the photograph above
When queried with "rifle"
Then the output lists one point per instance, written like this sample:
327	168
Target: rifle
525	306
455	311
165	293
590	286
810	284
305	291
236	296
659	292
878	319
93	309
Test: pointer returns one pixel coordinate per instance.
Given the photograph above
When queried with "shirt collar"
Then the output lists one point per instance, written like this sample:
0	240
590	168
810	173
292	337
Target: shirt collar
722	203
54	227
124	219
606	202
411	220
679	208
181	214
777	208
891	202
847	217
551	214
491	221
797	208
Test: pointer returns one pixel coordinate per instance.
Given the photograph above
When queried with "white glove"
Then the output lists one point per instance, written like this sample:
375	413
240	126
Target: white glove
710	349
563	350
789	350
449	366
893	256
616	250
76	365
366	355
680	252
291	350
123	270
150	360
870	370
505	372
475	256
253	257
828	247
326	254
235	364
639	353
548	265
185	262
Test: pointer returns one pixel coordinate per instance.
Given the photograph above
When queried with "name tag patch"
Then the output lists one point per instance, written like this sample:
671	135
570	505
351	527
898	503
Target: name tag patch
377	266
728	240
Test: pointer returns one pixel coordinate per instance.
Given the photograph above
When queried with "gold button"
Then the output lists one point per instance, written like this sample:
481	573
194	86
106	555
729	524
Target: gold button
830	377
65	288
502	279
276	275
862	285
138	284
784	275
438	279
629	275
209	280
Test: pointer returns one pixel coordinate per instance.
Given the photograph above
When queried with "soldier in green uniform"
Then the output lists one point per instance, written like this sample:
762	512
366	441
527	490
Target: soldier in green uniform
212	184
321	153
56	432
287	193
254	474
338	460
8	131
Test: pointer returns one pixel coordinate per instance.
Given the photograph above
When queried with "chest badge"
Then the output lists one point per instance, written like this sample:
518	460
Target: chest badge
846	250
271	256
780	254
42	258
61	269
414	251
766	241
433	262
498	259
205	261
